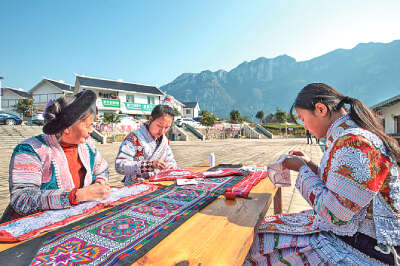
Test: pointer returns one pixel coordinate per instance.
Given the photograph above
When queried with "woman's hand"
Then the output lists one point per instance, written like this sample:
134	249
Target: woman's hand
101	181
301	155
306	159
294	163
95	192
158	164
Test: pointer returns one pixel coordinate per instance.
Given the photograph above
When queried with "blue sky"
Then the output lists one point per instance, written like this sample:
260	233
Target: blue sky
153	42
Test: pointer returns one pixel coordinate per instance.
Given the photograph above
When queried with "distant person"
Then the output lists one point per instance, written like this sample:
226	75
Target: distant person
146	150
309	137
316	140
62	167
354	193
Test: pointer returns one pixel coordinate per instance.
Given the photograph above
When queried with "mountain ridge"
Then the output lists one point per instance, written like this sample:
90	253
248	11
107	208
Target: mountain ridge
369	72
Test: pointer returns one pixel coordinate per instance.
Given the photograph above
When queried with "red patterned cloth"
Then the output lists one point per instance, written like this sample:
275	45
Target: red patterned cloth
173	174
243	188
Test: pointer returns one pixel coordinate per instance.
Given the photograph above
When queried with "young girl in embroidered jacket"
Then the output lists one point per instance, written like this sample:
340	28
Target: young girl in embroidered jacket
354	193
61	167
146	150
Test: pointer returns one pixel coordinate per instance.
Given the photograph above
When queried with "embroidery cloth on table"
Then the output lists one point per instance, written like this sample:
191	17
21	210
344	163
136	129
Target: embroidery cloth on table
243	188
32	225
173	174
127	231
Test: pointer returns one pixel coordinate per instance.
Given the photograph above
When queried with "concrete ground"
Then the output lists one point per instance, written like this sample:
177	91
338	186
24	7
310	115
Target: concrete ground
192	153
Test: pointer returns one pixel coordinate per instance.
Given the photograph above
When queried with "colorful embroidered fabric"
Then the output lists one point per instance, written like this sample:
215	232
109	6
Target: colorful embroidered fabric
127	231
32	225
221	173
243	188
173	174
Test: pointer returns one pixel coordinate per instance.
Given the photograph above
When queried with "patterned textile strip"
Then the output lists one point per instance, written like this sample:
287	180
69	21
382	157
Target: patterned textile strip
243	188
32	225
173	174
126	232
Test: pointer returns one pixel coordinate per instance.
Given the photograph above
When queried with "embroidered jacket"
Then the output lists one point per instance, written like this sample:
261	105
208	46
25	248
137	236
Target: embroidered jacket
357	188
137	151
39	176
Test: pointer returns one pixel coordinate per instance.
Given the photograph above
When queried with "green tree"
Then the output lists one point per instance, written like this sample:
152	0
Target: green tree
207	120
281	117
24	106
111	118
236	117
176	112
260	115
293	119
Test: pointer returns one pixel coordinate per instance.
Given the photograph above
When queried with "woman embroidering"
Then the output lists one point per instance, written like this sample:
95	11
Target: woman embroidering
62	167
354	193
146	150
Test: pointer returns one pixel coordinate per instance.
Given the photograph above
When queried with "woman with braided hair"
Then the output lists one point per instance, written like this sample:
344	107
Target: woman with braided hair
354	192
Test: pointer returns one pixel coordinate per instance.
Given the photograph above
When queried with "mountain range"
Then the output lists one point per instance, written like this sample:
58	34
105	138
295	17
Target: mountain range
369	72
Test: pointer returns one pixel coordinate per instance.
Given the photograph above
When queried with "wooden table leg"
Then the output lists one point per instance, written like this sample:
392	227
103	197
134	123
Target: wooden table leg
278	201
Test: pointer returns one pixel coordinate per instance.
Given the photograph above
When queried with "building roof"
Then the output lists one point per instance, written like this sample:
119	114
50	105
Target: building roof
21	93
190	104
117	85
387	102
61	85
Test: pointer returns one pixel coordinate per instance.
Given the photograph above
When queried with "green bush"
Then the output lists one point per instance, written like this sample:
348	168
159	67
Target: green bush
279	129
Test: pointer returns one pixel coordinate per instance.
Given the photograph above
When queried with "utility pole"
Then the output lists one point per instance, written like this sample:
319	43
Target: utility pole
1	93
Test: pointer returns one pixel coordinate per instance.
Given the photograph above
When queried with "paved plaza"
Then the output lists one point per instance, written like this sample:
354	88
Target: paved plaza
192	153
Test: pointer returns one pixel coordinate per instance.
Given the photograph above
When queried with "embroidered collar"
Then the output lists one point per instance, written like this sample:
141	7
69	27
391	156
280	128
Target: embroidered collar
149	136
337	122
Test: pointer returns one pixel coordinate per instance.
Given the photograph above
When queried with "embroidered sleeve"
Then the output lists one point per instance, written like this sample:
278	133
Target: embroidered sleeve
170	161
146	166
25	184
355	172
100	168
130	156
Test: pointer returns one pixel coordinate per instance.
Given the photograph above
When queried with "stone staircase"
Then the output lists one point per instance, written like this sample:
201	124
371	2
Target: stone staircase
13	135
190	135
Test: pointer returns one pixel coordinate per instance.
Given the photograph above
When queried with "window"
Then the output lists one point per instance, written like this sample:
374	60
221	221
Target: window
188	111
130	98
43	98
150	100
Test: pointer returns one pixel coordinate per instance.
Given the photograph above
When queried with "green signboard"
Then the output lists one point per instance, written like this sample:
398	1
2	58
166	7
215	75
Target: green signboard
111	103
139	106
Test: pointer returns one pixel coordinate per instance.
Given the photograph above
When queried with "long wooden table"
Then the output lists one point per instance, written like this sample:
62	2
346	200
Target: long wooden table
220	234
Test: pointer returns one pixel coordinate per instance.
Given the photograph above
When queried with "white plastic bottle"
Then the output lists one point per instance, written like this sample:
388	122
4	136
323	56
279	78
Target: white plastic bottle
212	159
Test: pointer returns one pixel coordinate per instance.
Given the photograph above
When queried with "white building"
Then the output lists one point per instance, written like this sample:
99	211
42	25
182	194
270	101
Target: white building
121	97
389	110
11	96
168	99
48	89
191	109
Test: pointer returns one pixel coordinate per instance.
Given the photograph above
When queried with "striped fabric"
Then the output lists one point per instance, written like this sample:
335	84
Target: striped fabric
242	189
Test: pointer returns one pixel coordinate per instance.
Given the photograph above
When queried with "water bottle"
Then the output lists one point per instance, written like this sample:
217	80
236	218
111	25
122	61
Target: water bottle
212	159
